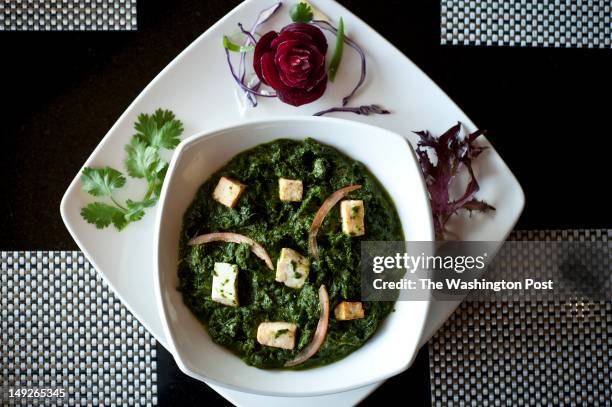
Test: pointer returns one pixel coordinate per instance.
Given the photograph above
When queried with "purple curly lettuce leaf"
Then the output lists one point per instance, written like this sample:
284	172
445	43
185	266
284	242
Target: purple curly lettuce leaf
453	153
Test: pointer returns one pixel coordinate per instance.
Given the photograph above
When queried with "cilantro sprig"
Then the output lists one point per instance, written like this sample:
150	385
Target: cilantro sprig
155	132
301	13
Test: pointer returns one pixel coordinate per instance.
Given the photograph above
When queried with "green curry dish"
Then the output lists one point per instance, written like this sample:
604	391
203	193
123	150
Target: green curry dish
262	216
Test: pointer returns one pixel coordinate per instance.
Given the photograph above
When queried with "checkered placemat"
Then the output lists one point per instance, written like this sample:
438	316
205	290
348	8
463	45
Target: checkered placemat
68	15
534	23
62	328
525	353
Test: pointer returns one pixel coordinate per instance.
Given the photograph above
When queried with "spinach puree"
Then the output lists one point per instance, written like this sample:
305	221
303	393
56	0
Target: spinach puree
262	216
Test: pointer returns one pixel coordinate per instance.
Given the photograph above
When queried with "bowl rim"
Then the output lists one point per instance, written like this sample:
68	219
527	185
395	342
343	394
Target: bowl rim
184	365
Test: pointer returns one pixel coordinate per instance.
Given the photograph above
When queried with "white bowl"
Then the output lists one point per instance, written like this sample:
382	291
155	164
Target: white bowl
393	347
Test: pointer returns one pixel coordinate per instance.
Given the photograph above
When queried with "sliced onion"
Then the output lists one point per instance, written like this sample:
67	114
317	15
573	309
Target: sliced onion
327	205
256	248
320	333
239	82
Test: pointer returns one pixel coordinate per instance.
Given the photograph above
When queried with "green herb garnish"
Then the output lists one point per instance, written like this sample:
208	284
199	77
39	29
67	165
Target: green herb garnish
294	266
228	44
102	215
301	13
153	132
337	57
280	332
102	181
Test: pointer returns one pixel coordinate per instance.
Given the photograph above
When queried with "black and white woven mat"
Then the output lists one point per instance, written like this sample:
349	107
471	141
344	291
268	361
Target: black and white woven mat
62	328
525	353
68	15
531	23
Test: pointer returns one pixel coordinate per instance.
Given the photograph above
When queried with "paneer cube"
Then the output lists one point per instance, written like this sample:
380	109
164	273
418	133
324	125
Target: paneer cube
290	190
225	284
292	268
352	213
277	334
228	191
347	310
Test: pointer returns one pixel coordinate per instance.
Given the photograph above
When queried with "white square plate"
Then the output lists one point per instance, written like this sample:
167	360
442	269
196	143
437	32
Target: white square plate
197	86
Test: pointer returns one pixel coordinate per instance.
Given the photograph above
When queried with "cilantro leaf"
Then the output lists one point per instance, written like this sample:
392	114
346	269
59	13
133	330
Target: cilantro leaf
156	183
102	215
120	221
142	160
301	13
158	171
280	332
136	209
101	181
159	130
156	131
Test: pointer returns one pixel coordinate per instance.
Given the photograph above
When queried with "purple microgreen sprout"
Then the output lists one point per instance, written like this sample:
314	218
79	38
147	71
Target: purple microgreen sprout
364	110
453	152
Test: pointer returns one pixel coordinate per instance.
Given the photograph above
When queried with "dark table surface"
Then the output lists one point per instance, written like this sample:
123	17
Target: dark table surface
547	112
